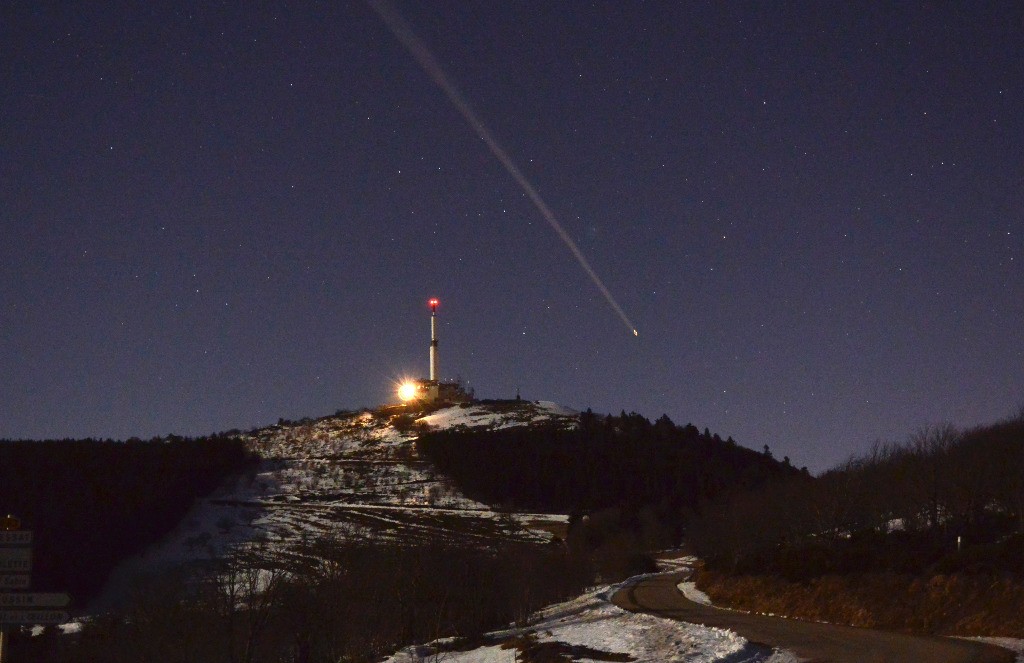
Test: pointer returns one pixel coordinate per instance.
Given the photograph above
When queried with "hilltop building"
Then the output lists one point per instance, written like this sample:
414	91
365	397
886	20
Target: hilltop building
433	390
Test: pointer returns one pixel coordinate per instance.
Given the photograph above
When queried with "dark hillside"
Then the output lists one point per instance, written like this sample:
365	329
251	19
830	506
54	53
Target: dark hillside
623	461
92	503
902	508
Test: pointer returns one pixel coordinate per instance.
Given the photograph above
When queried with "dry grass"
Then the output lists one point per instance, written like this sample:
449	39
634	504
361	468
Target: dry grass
977	605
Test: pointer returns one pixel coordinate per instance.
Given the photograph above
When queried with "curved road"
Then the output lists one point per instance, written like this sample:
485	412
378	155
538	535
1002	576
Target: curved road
809	640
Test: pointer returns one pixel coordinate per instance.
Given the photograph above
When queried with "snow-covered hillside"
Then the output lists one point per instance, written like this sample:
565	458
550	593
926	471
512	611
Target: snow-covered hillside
356	476
500	415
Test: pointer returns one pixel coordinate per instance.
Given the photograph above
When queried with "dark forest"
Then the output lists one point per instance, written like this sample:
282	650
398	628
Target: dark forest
93	503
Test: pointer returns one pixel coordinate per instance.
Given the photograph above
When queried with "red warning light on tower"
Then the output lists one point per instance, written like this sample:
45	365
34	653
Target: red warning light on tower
433	303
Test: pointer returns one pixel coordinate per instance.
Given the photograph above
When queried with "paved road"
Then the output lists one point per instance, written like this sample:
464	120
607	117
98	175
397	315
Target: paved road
811	641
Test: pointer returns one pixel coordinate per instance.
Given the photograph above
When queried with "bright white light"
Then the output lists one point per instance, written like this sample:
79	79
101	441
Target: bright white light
407	391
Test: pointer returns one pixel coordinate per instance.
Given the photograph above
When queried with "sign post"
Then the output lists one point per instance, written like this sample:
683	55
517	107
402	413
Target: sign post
10	536
15	560
19	608
28	601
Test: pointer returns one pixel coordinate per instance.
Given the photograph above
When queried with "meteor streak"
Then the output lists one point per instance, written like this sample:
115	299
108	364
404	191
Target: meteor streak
403	32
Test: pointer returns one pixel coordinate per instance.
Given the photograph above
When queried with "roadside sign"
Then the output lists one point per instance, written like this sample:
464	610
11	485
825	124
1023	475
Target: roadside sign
32	617
21	581
16	538
33	600
15	560
14	582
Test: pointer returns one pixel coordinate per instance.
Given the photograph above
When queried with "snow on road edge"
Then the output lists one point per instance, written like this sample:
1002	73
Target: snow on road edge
592	621
690	591
1015	645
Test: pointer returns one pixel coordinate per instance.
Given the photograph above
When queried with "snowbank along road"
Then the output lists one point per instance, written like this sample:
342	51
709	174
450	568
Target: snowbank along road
810	641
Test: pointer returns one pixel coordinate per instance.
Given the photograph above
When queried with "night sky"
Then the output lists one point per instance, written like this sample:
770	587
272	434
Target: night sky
214	216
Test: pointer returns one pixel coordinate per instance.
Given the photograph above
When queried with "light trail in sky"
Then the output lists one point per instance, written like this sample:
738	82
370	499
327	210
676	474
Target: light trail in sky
403	32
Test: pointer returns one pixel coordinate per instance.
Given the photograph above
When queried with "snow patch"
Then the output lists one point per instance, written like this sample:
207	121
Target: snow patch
1013	644
70	627
491	418
354	476
687	588
690	591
